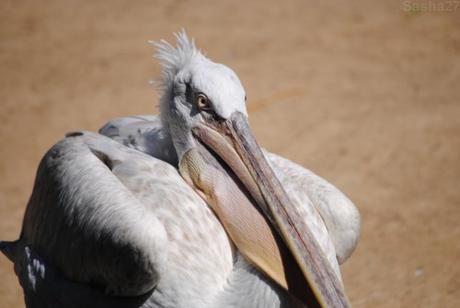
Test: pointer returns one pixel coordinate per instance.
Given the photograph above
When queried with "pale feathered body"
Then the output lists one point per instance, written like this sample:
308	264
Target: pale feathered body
115	214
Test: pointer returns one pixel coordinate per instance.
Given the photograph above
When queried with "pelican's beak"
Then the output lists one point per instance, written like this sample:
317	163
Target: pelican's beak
257	216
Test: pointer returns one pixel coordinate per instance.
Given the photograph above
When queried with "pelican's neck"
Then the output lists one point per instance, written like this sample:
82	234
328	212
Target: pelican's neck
165	102
175	128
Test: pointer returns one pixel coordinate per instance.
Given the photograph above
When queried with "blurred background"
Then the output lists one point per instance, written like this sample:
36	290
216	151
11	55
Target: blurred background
364	93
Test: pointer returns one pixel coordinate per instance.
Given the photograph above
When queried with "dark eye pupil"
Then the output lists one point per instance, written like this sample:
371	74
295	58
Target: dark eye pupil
203	102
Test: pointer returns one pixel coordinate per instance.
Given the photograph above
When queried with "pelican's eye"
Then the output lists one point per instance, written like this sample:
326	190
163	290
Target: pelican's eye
203	103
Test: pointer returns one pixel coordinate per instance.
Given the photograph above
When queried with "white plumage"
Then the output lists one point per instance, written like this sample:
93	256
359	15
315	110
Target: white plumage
110	213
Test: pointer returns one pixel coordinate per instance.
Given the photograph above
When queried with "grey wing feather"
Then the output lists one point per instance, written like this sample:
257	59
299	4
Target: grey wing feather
144	133
84	221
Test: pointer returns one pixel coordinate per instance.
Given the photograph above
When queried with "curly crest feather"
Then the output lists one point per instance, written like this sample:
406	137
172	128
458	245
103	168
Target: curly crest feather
173	59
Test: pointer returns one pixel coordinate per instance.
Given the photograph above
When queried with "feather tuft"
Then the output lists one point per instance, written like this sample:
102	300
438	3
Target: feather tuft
173	59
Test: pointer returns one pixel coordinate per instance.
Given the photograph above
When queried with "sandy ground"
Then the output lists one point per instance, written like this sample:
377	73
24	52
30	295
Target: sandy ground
365	94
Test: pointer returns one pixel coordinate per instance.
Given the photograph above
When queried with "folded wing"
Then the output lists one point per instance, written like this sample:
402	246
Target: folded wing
86	221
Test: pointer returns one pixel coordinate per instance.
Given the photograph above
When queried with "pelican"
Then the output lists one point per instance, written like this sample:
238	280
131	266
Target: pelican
183	209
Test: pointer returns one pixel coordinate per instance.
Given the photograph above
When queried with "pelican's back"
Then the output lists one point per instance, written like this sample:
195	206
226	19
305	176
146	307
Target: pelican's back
111	217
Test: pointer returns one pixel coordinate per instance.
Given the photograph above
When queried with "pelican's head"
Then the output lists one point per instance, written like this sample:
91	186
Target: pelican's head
196	91
203	108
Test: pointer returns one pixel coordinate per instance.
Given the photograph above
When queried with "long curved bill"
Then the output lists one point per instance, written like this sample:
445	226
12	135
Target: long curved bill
234	143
